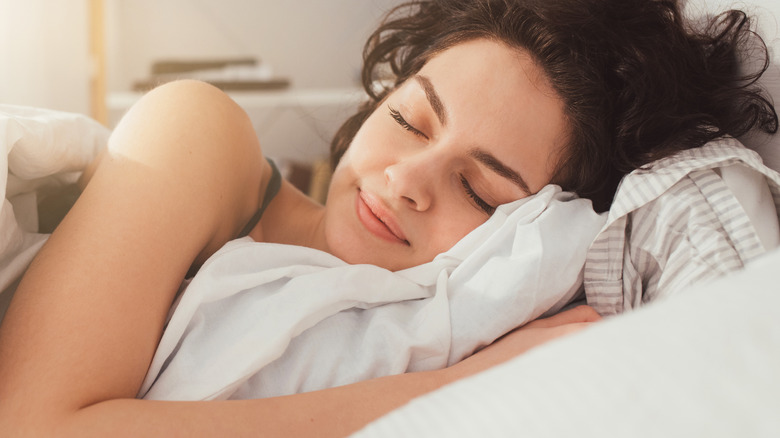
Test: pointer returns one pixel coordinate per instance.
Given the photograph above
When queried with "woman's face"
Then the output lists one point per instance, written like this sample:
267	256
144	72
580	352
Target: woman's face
477	127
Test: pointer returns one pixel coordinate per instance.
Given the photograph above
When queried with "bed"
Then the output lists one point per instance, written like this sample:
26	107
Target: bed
705	364
702	364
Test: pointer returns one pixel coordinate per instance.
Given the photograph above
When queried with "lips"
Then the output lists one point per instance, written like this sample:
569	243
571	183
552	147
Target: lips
377	219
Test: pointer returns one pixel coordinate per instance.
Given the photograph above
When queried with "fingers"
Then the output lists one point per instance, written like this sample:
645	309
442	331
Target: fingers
582	313
575	315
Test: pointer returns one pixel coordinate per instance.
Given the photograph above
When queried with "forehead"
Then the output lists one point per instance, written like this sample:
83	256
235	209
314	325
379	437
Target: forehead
498	97
484	58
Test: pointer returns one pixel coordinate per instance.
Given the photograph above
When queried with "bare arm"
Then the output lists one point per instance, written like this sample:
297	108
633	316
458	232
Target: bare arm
183	174
331	412
181	177
524	338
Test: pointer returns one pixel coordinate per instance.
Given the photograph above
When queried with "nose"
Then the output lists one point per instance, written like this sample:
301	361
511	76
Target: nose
413	180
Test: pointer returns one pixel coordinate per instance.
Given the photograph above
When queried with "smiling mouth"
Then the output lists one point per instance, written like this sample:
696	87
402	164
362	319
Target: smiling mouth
375	220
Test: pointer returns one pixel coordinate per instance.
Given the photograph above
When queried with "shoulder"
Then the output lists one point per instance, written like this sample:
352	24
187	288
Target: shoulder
194	151
192	119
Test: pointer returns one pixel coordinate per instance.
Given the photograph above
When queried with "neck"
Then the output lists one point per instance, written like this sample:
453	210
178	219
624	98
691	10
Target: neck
292	218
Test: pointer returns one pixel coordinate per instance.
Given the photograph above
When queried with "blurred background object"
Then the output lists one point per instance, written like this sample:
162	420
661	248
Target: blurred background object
48	47
293	66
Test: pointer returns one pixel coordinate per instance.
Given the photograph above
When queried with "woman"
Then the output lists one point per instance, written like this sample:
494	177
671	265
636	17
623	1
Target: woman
491	101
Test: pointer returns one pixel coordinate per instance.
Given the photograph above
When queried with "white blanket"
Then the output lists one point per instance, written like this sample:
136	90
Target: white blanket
699	364
39	151
262	319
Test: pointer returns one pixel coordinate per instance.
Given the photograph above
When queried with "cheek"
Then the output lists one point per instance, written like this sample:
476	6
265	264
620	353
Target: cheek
373	143
453	227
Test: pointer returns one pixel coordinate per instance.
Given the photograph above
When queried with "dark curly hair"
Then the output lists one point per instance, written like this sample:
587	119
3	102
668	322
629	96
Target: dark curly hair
639	81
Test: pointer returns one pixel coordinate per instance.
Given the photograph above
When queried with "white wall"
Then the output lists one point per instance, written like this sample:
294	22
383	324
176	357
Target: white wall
44	46
315	43
768	25
766	11
44	54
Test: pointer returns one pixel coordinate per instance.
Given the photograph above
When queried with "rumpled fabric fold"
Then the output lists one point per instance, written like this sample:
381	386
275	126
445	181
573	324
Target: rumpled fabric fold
261	320
41	150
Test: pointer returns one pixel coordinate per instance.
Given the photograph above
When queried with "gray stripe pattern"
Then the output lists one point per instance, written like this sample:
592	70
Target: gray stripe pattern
674	222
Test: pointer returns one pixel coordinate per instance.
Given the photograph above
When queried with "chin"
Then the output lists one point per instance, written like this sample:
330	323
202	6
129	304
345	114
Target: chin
369	257
347	244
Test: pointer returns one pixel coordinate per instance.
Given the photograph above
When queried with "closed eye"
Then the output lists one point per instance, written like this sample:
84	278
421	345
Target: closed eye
479	202
396	115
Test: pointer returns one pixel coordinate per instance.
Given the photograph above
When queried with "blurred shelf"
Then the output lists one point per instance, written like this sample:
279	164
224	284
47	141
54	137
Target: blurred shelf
291	124
274	98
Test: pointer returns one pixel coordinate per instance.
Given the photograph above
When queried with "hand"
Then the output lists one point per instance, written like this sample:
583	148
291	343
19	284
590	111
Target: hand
523	339
576	318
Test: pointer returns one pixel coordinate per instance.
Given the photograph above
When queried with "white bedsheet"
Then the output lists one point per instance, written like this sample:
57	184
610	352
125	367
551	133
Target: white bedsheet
261	319
700	364
303	317
39	149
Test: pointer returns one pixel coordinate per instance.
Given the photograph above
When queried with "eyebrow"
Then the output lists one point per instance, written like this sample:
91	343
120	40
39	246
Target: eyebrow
480	155
433	98
500	168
